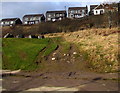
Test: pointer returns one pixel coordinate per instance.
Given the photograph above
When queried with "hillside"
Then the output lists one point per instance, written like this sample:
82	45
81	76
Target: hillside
66	25
98	46
63	61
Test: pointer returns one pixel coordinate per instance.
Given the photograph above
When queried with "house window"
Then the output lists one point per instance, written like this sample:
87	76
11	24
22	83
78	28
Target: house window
34	18
83	11
25	22
96	12
72	11
2	23
49	19
101	11
78	11
26	19
57	15
6	22
11	22
61	14
75	11
49	15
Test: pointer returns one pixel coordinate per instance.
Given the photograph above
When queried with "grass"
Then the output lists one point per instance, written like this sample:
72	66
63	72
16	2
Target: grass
66	47
99	47
22	53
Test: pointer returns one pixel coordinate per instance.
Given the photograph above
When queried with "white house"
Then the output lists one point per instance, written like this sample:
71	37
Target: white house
99	10
102	8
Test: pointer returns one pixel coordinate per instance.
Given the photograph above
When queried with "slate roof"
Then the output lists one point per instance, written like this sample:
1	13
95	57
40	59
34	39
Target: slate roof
33	15
104	6
93	6
9	19
76	8
56	11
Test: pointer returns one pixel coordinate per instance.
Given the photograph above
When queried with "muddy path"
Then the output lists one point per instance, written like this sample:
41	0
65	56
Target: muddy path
61	72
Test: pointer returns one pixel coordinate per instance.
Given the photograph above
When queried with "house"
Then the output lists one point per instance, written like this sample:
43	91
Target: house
102	8
119	7
19	36
41	36
77	12
33	18
30	36
55	15
92	9
10	22
8	35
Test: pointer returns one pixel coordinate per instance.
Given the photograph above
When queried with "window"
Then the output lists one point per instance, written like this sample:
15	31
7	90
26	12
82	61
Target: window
2	23
96	12
49	19
49	15
61	14
101	11
78	11
72	11
25	23
26	19
11	22
34	18
6	22
83	11
57	15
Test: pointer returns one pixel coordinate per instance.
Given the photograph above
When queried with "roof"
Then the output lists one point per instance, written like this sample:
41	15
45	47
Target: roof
104	6
76	8
9	19
93	6
63	11
33	15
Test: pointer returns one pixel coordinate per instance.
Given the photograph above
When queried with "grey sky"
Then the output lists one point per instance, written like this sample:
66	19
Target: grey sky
19	9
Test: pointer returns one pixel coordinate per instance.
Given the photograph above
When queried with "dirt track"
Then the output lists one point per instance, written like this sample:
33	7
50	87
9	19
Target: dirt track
66	73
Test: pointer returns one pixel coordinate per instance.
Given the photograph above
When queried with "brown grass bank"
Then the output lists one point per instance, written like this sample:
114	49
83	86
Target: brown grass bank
99	47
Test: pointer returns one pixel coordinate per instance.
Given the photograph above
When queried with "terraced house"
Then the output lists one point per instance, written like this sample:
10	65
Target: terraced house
77	12
55	15
10	22
33	19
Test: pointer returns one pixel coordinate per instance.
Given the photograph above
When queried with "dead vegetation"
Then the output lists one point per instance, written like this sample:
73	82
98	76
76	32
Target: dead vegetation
98	46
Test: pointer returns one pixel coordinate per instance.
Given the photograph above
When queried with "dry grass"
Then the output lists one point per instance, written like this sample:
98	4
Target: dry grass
99	46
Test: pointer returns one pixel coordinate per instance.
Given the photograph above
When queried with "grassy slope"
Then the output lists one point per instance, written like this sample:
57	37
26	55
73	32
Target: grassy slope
22	53
98	46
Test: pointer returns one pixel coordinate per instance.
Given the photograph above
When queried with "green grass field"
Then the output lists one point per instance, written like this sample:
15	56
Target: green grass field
21	53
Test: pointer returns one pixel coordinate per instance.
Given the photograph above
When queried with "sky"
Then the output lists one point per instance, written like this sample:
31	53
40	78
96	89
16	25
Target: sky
19	8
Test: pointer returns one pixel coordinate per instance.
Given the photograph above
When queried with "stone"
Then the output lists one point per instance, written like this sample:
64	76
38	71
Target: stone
64	54
53	59
74	53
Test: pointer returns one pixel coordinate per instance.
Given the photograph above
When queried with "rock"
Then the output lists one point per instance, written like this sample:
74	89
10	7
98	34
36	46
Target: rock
74	53
53	59
64	54
68	61
54	54
68	54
